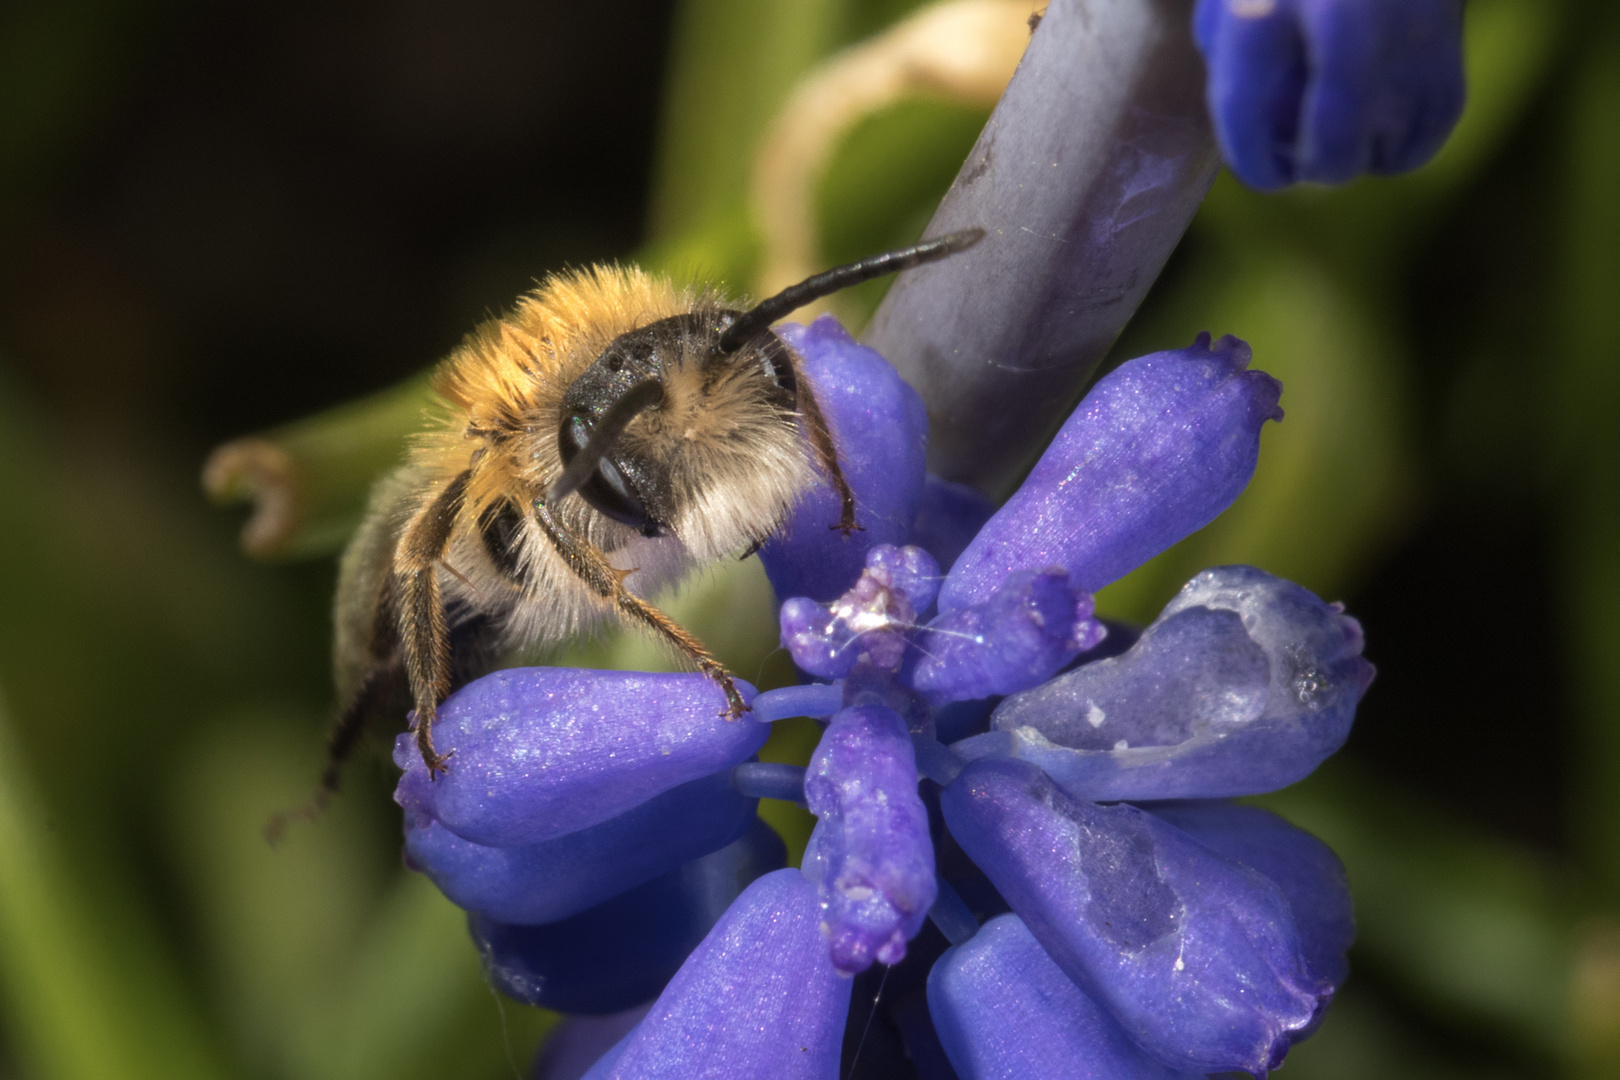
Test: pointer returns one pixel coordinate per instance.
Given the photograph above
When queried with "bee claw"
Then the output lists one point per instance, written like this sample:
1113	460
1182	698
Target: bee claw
735	705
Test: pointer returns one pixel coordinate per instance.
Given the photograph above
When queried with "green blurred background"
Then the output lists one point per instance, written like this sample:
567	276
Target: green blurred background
216	219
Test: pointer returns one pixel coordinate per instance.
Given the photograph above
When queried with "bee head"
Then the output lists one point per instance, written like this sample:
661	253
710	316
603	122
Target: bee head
689	425
663	432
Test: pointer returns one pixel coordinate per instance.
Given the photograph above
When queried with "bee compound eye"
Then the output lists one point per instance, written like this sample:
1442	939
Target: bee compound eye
777	365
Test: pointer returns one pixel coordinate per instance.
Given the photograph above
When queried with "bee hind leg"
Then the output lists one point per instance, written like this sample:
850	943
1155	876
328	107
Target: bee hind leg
383	696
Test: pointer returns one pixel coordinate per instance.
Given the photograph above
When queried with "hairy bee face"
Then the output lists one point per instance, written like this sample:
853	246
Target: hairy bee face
721	438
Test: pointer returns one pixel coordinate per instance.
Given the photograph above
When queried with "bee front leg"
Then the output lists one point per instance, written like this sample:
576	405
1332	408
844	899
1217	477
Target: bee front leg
592	567
424	634
821	441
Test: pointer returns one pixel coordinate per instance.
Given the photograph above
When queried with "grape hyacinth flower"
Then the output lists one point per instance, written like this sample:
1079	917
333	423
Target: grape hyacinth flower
1325	90
1139	103
992	753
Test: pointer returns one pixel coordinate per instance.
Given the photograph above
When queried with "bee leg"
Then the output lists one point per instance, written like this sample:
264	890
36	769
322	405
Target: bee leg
424	633
592	567
382	694
821	440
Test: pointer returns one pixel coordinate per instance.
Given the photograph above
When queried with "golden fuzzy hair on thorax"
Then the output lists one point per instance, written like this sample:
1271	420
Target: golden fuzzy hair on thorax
505	382
553	334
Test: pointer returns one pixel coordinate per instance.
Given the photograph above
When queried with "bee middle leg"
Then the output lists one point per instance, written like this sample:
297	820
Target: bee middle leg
592	567
424	632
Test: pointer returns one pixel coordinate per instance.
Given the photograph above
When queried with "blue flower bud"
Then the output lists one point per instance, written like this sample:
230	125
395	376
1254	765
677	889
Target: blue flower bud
821	644
880	428
871	623
1030	628
556	878
1005	1011
622	952
1196	957
1244	684
543	752
871	855
1327	89
1156	450
758	998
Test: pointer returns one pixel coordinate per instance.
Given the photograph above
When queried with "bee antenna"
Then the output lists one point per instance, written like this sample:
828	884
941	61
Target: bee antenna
754	322
632	403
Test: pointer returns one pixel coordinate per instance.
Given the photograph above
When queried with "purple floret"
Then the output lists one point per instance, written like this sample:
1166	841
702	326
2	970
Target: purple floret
1156	450
1307	872
1021	635
1197	957
871	855
1327	89
758	998
871	623
1005	1011
543	752
1244	684
556	878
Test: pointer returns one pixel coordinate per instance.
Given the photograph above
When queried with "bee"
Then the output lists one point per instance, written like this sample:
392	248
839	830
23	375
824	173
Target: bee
608	435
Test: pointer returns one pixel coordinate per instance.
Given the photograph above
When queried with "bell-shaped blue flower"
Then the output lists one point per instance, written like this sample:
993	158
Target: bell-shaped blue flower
543	752
1159	446
1005	1011
758	998
1024	632
1327	89
871	854
1244	684
1198	958
1307	872
556	878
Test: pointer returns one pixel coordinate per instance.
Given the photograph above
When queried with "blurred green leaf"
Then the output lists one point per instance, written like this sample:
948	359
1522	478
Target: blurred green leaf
1362	1038
732	65
883	184
1587	380
87	989
1484	933
308	481
331	959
